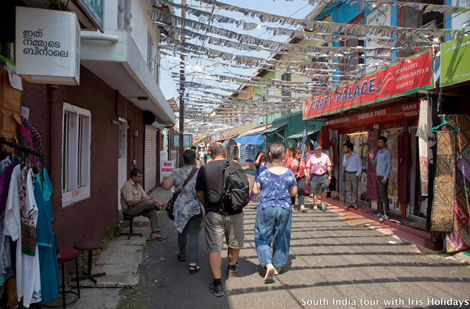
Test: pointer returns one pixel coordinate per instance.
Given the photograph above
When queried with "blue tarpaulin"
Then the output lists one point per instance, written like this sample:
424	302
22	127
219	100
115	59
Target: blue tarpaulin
255	139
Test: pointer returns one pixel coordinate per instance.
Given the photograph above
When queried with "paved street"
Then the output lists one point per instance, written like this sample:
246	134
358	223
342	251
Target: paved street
334	262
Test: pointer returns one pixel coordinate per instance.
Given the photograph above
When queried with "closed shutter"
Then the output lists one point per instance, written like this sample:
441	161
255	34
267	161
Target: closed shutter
150	164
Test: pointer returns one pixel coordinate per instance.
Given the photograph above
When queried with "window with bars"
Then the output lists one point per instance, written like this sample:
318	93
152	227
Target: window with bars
149	51
124	15
351	63
76	144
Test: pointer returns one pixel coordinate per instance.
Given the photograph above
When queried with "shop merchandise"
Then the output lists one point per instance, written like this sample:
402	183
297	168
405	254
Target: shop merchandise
459	238
26	217
372	144
442	218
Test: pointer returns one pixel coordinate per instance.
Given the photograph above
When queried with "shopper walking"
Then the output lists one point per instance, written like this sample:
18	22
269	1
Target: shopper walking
383	161
188	211
319	174
352	163
220	222
297	165
273	224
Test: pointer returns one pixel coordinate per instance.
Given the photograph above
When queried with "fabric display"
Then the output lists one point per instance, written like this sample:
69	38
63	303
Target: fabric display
371	174
392	146
26	218
426	141
442	216
459	238
404	162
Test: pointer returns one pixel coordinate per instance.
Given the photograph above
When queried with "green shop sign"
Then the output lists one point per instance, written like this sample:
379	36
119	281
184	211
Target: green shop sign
94	10
455	61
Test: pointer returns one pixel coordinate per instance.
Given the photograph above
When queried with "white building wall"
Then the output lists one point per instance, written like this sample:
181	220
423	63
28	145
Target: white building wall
141	24
110	14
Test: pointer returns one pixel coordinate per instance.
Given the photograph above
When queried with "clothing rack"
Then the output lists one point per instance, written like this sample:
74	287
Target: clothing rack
20	147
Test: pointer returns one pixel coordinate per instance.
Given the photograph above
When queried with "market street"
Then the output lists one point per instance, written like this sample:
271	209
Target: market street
332	263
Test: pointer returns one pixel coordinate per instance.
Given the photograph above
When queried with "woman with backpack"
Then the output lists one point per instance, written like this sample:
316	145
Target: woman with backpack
188	211
275	185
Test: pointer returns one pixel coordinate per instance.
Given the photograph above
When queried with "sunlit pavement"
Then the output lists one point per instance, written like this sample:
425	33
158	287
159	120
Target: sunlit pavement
332	263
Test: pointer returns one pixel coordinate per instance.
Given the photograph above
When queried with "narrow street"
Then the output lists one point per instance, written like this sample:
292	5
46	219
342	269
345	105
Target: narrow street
332	263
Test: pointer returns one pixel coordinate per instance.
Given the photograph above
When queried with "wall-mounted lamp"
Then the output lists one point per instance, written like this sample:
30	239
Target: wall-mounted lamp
142	98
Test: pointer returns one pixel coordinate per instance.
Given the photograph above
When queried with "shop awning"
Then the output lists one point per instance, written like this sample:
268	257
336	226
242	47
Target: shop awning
255	139
273	129
257	130
310	130
223	139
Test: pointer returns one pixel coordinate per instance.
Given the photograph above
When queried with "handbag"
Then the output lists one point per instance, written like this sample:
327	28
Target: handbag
170	205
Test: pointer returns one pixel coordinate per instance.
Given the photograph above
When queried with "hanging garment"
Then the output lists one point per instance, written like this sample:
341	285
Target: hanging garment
13	224
425	141
459	238
29	249
46	240
404	160
324	137
442	215
371	175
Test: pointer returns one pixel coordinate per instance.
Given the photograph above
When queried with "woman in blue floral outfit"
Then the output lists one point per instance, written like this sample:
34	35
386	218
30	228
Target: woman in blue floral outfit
188	211
275	186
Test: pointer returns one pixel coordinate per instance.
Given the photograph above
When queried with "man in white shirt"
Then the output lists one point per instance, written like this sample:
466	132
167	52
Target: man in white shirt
352	163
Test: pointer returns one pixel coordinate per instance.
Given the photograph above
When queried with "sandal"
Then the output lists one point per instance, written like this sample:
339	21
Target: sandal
303	209
194	269
181	258
159	238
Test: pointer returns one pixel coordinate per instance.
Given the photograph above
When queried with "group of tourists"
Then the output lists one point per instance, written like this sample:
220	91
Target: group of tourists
279	179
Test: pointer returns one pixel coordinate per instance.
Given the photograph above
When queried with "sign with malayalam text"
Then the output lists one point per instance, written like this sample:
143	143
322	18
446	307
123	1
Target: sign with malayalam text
411	75
47	46
455	61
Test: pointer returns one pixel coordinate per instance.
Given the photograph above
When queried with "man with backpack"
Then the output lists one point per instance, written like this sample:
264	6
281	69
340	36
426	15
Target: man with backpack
223	189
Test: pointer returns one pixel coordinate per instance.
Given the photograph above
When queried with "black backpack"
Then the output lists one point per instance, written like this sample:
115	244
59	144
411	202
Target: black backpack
235	188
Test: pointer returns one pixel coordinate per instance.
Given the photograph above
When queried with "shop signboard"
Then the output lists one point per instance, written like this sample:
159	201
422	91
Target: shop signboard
94	9
413	74
378	115
47	46
167	167
455	61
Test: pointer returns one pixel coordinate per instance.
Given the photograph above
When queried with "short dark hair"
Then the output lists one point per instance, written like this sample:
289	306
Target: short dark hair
193	147
383	138
135	172
189	157
349	145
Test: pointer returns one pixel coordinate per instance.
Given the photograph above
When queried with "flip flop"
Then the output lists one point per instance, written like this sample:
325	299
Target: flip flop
194	269
159	238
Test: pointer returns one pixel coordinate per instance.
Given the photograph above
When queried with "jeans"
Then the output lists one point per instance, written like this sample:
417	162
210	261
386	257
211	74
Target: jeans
300	191
382	196
273	225
191	228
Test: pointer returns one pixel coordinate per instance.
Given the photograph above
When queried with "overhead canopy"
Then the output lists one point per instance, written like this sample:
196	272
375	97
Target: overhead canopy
256	139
